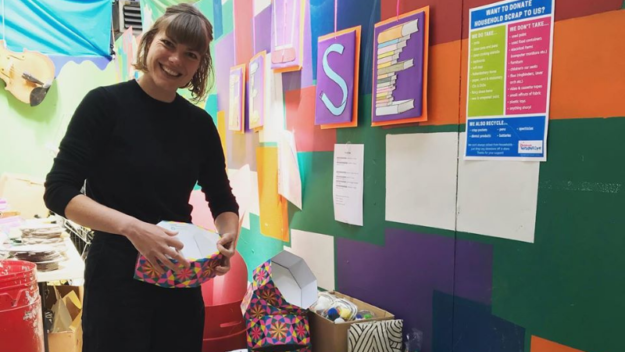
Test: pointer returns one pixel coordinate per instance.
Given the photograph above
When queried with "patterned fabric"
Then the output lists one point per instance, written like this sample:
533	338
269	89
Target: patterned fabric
262	274
270	320
379	336
201	270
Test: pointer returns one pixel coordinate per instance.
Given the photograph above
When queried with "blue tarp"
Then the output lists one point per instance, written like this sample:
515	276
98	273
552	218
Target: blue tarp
63	27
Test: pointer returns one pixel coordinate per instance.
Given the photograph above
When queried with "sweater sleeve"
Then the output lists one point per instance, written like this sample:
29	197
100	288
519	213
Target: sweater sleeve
213	177
86	133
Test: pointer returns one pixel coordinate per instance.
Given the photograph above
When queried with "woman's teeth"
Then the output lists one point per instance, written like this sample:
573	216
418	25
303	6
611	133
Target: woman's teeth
170	72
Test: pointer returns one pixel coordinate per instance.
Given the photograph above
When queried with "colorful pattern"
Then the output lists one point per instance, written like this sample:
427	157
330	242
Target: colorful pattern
200	271
286	330
270	319
262	274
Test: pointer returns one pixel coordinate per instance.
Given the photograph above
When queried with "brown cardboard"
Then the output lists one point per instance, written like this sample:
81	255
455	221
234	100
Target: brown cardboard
328	336
68	341
68	300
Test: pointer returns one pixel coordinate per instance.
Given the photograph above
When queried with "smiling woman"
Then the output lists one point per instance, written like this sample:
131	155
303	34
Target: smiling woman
174	54
141	148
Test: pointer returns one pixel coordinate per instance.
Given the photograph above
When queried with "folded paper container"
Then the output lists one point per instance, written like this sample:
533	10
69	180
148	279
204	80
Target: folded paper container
200	249
276	304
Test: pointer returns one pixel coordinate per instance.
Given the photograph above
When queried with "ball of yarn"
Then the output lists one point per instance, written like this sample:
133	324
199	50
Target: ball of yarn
339	320
345	314
333	314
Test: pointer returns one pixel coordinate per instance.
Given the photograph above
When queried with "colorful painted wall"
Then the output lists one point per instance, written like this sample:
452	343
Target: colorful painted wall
79	50
481	256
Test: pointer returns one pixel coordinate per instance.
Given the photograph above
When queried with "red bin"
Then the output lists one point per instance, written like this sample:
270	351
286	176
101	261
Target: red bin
224	326
21	326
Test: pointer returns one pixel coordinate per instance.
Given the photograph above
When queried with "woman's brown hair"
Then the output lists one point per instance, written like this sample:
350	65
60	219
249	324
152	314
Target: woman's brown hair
184	24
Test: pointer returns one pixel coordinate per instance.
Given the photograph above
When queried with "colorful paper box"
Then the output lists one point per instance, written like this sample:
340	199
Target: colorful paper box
276	304
200	249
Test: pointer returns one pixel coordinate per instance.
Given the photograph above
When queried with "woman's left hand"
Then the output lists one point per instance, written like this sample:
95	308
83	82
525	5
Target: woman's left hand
226	246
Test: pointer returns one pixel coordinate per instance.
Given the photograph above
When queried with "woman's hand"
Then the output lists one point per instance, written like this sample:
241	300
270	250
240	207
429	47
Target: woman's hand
155	243
226	246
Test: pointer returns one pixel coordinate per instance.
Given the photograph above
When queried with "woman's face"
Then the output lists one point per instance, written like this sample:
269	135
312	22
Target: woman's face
171	65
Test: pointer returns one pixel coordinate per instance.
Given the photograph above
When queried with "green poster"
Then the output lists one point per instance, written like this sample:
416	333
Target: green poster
486	72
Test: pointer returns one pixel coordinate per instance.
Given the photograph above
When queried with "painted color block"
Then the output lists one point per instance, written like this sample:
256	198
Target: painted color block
444	77
351	13
227	16
498	199
224	59
256	248
473	276
201	214
600	71
323	18
261	36
300	119
421	179
33	130
302	78
474	327
414	266
221	128
218	26
273	220
446	16
243	31
552	287
211	107
206	7
260	6
542	345
317	250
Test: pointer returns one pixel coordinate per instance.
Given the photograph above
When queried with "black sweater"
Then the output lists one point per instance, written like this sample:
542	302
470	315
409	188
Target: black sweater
140	156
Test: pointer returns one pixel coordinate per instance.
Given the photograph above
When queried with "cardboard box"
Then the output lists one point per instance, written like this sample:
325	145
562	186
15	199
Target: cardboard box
66	331
328	336
23	194
200	249
276	304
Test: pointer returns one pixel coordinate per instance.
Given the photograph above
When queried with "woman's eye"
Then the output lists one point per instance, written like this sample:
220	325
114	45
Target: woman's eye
168	43
193	55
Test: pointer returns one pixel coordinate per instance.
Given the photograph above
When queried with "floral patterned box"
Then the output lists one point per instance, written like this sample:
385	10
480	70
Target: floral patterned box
200	249
276	304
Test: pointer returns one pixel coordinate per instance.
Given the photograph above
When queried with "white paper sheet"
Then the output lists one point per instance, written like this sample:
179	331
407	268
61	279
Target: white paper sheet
347	183
275	118
421	171
289	179
498	199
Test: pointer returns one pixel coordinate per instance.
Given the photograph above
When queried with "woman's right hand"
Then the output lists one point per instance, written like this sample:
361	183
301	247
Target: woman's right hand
155	243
